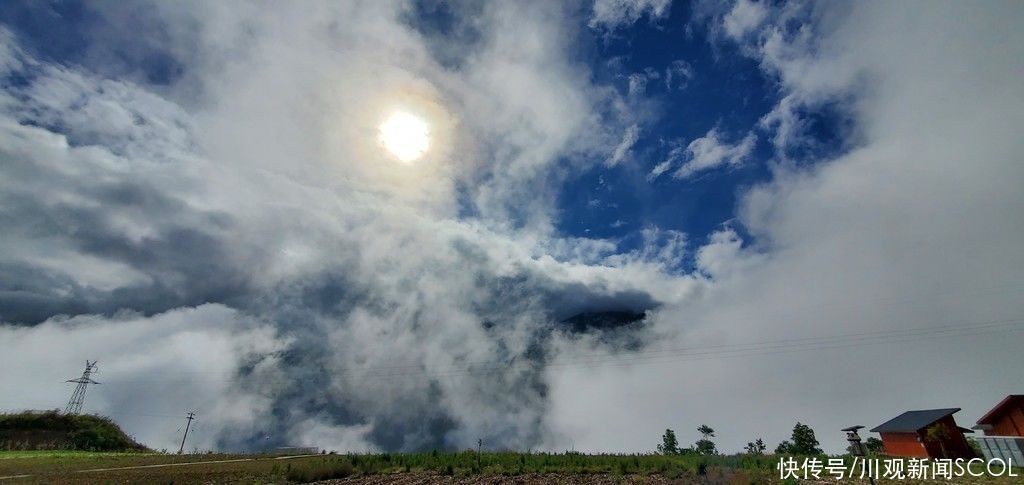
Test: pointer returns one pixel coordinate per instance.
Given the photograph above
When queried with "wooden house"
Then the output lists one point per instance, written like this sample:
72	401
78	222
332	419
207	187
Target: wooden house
907	435
1006	419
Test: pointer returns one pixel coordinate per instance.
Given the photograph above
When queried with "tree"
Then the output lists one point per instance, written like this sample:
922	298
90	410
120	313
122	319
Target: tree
975	446
756	447
669	444
704	445
802	442
940	433
874	445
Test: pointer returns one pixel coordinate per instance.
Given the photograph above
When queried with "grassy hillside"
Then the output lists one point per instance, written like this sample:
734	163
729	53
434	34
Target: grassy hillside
51	430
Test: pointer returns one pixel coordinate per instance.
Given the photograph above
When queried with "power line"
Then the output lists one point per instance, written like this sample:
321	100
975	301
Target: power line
680	354
883	301
373	371
705	352
946	294
791	345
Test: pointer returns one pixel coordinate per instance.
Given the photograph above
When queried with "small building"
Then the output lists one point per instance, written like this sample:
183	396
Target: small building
1004	431
906	435
1006	419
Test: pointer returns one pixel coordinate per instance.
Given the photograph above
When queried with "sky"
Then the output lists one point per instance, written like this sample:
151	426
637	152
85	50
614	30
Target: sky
815	206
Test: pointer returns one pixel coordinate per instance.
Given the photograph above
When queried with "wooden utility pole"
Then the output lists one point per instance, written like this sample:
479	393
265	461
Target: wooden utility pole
190	417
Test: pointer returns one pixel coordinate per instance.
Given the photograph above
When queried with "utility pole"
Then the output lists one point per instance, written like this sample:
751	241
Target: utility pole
189	417
479	448
78	396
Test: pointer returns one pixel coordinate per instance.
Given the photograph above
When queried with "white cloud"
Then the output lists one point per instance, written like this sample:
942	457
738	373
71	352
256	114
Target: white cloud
661	247
678	74
704	153
629	138
793	51
709	151
745	16
660	169
612	14
637	84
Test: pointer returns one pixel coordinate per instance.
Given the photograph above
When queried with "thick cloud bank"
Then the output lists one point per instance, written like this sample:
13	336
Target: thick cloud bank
333	297
230	239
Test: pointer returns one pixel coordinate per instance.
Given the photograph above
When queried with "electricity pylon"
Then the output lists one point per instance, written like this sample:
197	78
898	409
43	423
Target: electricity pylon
77	397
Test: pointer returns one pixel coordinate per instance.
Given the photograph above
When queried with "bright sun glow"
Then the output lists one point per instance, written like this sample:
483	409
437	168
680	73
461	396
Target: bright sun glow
406	136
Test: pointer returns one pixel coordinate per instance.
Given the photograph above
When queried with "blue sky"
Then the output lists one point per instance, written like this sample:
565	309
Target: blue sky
203	192
723	89
726	91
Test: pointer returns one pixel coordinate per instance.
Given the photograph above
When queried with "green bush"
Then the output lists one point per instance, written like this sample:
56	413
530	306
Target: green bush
52	429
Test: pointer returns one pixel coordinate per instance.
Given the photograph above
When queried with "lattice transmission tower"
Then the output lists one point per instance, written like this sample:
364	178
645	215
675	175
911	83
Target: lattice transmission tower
77	397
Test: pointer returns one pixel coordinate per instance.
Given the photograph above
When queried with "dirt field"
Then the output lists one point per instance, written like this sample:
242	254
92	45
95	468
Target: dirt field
738	478
534	479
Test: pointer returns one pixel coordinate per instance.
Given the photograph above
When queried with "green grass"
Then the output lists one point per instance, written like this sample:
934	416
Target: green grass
67	454
467	464
32	462
510	463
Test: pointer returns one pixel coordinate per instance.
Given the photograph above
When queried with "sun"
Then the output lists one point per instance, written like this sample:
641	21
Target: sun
405	135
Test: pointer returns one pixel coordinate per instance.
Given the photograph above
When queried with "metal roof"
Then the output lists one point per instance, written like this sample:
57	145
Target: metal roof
912	421
990	416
